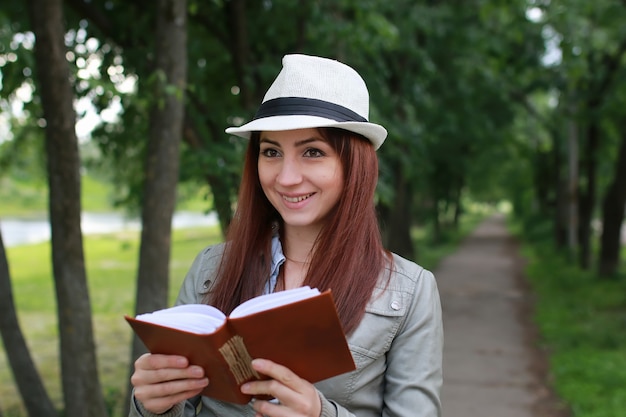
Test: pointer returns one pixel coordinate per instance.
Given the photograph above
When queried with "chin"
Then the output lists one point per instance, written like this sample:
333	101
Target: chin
300	222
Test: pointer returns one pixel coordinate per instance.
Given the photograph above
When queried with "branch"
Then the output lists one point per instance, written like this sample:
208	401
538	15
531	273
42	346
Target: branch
611	63
87	10
95	16
209	25
522	99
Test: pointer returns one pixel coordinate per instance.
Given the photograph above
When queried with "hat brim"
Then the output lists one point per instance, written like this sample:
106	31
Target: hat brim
375	133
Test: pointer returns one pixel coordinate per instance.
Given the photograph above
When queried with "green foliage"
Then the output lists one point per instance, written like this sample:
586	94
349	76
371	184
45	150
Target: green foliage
454	100
22	158
443	93
582	321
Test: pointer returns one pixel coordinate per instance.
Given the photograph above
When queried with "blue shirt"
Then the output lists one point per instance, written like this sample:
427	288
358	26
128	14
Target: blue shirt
278	258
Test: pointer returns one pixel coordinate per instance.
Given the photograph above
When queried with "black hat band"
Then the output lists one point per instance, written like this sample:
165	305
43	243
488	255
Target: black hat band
291	106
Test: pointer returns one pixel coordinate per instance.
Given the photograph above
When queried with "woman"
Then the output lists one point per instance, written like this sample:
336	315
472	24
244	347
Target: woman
305	216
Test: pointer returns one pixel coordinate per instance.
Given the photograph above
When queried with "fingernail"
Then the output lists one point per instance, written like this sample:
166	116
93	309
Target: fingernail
197	371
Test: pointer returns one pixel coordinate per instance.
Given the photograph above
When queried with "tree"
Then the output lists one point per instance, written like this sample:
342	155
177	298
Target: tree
613	208
81	385
592	45
607	64
31	388
163	156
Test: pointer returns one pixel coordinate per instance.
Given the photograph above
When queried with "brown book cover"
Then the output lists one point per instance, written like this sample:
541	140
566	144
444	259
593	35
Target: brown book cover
305	336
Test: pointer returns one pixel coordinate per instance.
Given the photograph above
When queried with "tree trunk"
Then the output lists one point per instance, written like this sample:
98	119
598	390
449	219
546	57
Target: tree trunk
221	200
612	217
163	159
437	224
398	230
560	203
240	49
458	204
27	379
588	197
572	188
81	385
543	172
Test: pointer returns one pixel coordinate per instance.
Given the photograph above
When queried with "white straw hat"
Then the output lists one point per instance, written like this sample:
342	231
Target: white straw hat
312	92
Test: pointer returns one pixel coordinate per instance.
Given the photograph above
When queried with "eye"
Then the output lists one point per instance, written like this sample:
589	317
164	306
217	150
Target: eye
314	153
270	153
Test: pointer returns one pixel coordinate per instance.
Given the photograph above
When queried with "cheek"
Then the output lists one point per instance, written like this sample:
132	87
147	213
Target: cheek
264	177
335	184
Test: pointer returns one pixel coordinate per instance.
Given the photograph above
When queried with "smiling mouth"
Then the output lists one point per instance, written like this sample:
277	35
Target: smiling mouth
296	199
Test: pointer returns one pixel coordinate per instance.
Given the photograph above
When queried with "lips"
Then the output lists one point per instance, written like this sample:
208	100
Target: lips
296	199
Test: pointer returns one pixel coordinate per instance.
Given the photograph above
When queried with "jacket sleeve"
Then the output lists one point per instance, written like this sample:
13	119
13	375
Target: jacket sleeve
332	409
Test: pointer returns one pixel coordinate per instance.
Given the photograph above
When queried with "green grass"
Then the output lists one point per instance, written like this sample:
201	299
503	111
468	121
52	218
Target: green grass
20	197
30	198
582	321
111	262
96	195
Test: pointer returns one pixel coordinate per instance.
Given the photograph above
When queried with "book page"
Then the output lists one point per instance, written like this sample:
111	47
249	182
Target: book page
194	318
275	299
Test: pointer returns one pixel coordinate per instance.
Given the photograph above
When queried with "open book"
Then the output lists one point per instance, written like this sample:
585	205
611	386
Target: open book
297	328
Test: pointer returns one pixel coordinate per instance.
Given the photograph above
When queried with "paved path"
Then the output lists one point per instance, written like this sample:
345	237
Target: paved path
489	360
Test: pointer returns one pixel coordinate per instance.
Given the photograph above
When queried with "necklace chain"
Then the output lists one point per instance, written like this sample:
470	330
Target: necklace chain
298	262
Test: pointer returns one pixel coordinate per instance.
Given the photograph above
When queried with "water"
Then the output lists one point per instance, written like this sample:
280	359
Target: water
27	231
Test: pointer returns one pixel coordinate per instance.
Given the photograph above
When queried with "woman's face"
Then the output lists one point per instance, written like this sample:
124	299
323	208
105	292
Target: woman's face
301	175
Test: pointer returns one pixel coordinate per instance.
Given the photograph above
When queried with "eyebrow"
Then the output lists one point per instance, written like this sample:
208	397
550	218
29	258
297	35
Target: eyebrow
298	143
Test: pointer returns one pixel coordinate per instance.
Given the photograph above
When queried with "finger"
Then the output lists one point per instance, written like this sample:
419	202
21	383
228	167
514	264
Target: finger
282	384
295	394
162	375
151	361
277	372
170	389
159	400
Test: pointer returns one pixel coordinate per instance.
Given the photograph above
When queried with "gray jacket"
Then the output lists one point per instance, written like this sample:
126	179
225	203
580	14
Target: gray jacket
397	349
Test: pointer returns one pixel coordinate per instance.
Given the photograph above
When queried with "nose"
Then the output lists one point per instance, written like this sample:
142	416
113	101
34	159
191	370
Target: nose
290	172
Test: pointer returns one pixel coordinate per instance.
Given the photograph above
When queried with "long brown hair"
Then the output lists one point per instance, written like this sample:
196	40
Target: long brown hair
348	255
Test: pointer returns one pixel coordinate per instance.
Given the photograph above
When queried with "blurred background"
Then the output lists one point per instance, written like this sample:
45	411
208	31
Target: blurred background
115	169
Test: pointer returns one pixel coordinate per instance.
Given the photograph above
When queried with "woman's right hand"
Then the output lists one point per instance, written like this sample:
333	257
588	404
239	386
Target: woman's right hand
162	381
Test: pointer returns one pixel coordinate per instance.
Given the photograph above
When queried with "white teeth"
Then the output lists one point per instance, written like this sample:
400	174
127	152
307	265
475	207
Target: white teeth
296	199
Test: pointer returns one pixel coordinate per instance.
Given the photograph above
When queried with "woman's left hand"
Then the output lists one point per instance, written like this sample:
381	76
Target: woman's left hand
296	396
